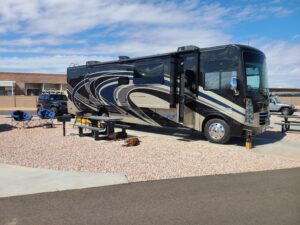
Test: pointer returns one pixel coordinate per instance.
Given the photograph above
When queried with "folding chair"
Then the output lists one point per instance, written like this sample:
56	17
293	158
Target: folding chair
20	119
46	117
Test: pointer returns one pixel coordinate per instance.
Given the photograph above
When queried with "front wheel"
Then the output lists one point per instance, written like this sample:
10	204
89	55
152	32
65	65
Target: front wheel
285	111
217	131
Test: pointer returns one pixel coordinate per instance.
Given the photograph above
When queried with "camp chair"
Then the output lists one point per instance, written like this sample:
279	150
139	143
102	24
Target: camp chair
20	119
46	117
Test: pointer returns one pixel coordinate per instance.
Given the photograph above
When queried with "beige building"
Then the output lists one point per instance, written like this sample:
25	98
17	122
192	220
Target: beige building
31	84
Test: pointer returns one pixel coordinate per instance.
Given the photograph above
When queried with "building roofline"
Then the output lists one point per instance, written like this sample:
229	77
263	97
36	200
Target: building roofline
46	78
29	73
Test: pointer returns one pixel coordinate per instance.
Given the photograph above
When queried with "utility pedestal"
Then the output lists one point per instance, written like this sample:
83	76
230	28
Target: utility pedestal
248	139
64	119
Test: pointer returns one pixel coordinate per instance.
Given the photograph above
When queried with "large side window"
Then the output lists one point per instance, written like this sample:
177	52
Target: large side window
218	67
149	72
212	80
218	73
225	77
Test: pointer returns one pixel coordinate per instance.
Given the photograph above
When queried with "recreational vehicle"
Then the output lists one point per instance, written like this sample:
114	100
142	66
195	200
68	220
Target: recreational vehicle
221	91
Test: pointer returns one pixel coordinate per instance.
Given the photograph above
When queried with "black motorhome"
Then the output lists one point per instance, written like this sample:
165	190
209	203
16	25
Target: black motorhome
221	91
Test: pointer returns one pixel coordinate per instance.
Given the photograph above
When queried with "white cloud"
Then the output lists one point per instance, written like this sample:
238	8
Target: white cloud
47	64
29	42
73	16
45	29
283	63
22	50
260	10
157	40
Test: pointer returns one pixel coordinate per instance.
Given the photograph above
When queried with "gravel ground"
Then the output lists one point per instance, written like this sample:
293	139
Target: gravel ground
155	158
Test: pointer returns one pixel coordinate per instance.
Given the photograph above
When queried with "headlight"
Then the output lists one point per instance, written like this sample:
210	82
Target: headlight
249	111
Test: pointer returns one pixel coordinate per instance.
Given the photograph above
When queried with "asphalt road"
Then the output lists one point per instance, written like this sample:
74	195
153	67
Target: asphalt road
271	197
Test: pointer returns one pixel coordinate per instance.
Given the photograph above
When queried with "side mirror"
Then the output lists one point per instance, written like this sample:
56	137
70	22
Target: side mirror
233	85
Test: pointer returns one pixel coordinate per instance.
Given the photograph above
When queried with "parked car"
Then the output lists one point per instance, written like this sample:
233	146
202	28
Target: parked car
276	106
56	102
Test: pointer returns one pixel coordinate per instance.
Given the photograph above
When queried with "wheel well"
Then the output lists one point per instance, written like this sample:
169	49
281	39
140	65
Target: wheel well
284	107
213	117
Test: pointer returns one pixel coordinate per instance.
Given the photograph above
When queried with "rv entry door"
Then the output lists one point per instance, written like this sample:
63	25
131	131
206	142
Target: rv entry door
187	88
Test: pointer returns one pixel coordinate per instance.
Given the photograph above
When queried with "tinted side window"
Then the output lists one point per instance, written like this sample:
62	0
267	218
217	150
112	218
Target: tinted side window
58	97
218	73
151	72
218	80
212	80
218	67
225	79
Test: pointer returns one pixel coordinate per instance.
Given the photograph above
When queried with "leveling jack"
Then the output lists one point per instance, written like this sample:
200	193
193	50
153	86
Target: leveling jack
248	139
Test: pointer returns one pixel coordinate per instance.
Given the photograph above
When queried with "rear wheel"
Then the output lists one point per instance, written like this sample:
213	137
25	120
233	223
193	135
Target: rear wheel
285	111
217	131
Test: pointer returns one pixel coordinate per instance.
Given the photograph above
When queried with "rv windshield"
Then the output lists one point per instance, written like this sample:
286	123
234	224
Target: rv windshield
256	72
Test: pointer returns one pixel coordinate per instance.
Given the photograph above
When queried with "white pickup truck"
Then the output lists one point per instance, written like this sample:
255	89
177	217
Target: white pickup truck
276	106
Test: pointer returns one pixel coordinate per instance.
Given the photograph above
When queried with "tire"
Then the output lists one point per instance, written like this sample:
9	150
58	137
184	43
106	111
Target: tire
285	111
217	131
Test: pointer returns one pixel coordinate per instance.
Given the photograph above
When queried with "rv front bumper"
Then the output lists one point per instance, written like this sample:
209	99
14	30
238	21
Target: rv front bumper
260	123
255	130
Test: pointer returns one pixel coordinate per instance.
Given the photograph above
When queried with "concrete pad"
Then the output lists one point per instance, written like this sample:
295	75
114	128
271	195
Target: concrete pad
18	180
287	149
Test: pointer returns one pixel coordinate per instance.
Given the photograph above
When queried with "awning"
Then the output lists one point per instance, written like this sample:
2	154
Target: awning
7	83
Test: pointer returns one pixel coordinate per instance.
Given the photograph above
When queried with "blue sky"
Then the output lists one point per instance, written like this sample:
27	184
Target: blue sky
48	35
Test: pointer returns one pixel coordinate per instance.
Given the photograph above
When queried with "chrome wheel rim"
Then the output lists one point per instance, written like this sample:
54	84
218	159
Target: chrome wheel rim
216	131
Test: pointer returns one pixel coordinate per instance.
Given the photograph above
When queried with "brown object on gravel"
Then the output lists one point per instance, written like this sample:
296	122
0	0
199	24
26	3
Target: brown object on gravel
117	135
131	142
